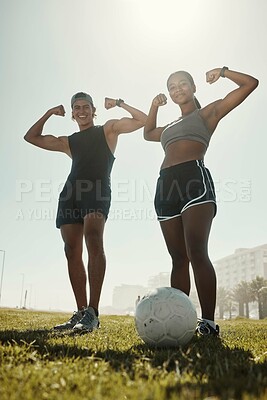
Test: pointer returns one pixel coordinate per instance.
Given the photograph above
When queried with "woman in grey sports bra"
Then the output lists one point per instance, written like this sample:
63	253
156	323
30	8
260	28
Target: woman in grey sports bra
185	197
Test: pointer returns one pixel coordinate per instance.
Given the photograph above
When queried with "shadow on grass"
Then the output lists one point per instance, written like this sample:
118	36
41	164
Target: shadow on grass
226	372
208	360
70	347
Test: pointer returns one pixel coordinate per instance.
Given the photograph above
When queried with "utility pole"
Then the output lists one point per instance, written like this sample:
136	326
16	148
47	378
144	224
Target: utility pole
22	287
2	273
25	299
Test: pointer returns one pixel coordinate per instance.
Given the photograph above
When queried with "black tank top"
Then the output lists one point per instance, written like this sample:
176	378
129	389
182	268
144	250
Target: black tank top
92	159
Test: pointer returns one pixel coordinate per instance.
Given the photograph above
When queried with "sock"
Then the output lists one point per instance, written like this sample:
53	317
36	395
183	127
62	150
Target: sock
210	322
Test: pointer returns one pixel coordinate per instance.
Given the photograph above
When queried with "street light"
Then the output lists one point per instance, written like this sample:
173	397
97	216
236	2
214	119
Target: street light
2	273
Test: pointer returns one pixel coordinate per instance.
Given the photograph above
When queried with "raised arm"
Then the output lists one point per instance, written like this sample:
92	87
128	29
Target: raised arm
48	142
125	124
151	132
246	85
114	127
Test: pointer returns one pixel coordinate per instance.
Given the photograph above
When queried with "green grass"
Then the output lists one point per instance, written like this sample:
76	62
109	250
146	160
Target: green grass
114	364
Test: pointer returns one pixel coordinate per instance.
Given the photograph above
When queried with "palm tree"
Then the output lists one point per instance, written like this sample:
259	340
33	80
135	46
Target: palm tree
263	301
243	296
223	301
255	286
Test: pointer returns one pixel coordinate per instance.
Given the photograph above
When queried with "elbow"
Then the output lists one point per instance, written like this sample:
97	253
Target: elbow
148	134
254	83
26	137
251	85
145	135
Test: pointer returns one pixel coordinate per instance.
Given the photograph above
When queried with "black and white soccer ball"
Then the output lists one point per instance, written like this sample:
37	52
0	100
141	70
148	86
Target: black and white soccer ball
166	317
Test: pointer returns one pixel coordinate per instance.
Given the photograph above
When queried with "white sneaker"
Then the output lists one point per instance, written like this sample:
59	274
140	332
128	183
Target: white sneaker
203	329
89	321
74	319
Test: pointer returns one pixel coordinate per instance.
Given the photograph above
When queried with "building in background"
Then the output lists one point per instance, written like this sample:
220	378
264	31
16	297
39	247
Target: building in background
124	297
244	265
160	280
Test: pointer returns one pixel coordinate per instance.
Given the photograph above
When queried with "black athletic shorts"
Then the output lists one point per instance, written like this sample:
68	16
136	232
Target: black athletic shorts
182	186
80	198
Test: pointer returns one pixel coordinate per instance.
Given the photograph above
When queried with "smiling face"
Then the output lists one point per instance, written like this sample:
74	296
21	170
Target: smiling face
181	88
83	113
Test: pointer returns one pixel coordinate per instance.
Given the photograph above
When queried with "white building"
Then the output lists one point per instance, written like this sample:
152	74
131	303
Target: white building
160	280
124	296
244	265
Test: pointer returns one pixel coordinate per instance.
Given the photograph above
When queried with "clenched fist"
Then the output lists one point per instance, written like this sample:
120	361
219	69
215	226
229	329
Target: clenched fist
160	100
59	110
109	103
213	75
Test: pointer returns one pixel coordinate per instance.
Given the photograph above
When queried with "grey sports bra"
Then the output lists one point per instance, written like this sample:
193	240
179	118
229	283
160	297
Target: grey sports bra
189	127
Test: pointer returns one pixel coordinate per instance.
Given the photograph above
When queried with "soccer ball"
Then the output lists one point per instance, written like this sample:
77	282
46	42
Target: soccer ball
166	317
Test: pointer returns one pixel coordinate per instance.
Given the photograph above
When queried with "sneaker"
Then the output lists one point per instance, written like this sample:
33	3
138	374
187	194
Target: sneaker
203	328
75	318
89	321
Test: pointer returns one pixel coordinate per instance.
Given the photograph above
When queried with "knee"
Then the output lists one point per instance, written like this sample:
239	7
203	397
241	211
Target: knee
178	258
94	242
72	251
197	255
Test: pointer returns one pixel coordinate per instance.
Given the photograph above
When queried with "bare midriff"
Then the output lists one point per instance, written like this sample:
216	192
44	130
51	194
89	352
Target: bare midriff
182	151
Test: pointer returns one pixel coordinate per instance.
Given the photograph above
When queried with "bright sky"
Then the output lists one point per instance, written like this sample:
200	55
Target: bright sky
122	48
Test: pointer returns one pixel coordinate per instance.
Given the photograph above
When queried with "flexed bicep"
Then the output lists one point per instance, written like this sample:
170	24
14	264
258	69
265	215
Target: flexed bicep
48	142
246	85
52	143
125	124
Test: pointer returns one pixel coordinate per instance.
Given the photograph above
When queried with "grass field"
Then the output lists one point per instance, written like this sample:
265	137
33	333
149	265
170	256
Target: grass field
114	364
